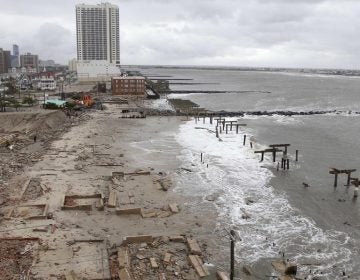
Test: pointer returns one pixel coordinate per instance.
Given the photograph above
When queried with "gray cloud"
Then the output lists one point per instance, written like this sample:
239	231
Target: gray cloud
285	33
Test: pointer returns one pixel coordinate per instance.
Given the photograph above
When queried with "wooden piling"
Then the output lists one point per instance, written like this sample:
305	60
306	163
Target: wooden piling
232	254
297	155
274	155
227	129
237	129
211	119
278	166
251	145
288	164
201	157
336	180
244	140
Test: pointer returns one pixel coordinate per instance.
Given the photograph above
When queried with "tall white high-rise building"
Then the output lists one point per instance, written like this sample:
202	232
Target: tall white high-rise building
97	32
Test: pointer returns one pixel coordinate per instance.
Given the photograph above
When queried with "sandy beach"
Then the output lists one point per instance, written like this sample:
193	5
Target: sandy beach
85	241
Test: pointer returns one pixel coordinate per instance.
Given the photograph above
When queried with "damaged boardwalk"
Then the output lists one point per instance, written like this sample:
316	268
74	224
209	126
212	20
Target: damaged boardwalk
88	210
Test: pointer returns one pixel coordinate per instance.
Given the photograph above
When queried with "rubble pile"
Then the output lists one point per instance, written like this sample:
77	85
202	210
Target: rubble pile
16	257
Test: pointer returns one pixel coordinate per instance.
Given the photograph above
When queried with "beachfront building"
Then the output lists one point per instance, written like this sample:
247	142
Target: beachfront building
98	41
130	85
47	81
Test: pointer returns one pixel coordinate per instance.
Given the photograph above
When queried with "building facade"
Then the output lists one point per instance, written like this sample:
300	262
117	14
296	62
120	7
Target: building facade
5	61
97	32
15	61
131	85
30	61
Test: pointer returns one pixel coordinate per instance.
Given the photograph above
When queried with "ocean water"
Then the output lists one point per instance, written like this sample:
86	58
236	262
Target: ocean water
317	227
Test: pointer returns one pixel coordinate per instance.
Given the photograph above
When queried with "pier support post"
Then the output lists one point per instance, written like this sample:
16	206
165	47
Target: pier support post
297	155
251	145
211	119
244	140
232	254
227	129
217	132
262	156
223	123
336	179
201	157
237	129
288	164
274	155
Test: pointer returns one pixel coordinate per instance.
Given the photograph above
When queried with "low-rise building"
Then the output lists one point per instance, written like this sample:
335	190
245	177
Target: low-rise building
129	85
47	81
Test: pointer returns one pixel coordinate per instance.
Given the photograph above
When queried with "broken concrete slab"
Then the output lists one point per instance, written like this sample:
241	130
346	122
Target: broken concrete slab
193	246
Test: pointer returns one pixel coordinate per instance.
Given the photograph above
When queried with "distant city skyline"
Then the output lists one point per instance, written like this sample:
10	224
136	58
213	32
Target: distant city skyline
255	33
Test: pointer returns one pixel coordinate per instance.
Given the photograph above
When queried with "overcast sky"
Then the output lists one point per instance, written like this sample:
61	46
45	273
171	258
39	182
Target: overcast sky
277	33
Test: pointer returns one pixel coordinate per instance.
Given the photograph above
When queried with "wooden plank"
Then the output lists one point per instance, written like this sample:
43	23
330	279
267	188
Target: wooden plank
123	257
167	257
137	239
153	263
221	275
128	211
124	274
148	214
174	208
112	198
193	246
26	185
279	145
177	238
197	264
